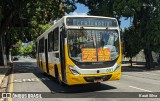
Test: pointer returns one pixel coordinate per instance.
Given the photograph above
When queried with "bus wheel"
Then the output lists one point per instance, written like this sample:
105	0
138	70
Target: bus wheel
45	74
57	76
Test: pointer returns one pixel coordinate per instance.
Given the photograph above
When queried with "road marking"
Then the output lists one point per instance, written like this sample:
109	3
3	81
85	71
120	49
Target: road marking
140	89
31	80
140	77
152	73
126	75
11	84
2	99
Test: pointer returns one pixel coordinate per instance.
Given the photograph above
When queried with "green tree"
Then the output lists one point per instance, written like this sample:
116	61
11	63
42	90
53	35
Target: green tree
146	20
131	44
28	50
99	7
30	13
17	49
27	19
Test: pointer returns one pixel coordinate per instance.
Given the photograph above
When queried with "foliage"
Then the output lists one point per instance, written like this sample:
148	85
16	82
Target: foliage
26	19
99	7
33	16
131	44
28	50
152	29
18	49
146	20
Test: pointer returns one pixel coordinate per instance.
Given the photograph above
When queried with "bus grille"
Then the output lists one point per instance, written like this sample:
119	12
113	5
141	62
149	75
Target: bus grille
93	78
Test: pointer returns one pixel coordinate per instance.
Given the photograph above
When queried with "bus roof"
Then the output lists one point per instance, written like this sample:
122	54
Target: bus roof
89	16
70	16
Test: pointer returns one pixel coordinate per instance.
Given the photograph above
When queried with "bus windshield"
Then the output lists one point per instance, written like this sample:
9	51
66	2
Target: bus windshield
93	45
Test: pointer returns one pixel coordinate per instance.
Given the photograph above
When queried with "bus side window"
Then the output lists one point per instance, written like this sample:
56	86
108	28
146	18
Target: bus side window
36	47
41	45
50	41
55	39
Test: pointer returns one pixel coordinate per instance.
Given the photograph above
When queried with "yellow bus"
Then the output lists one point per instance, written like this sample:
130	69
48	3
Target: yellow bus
81	50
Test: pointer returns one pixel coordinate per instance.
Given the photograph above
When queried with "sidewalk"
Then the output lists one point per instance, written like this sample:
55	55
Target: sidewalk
3	71
138	65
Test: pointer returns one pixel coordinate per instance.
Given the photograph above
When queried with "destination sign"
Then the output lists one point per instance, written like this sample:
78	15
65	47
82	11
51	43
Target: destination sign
94	22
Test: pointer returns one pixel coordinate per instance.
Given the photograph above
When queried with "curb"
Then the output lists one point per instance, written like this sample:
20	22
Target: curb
3	75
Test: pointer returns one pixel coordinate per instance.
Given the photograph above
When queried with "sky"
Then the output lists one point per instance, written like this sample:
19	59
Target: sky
82	10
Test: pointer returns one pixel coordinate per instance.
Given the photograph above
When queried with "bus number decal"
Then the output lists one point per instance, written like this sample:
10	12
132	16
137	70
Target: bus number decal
109	70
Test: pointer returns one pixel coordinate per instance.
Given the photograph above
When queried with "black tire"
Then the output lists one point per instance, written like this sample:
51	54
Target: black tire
158	62
45	74
58	77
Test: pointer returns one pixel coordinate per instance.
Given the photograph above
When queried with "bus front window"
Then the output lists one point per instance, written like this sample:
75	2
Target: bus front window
93	45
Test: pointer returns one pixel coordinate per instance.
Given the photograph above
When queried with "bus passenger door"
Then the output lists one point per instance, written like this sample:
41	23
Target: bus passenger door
62	53
46	56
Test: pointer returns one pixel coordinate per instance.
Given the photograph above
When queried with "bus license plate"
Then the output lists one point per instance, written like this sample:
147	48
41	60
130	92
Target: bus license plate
98	80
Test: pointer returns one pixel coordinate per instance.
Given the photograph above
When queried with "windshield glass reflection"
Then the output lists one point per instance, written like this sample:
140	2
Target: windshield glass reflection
93	45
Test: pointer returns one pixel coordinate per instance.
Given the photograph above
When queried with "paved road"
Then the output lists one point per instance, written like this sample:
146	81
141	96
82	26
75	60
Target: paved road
27	77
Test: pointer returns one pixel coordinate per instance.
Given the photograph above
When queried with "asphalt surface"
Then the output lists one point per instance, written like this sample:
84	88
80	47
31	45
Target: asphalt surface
135	85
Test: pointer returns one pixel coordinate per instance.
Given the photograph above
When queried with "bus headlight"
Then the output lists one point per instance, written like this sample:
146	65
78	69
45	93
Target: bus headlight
118	65
73	70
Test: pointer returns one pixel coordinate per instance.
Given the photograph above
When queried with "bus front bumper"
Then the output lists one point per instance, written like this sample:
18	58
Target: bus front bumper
85	79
